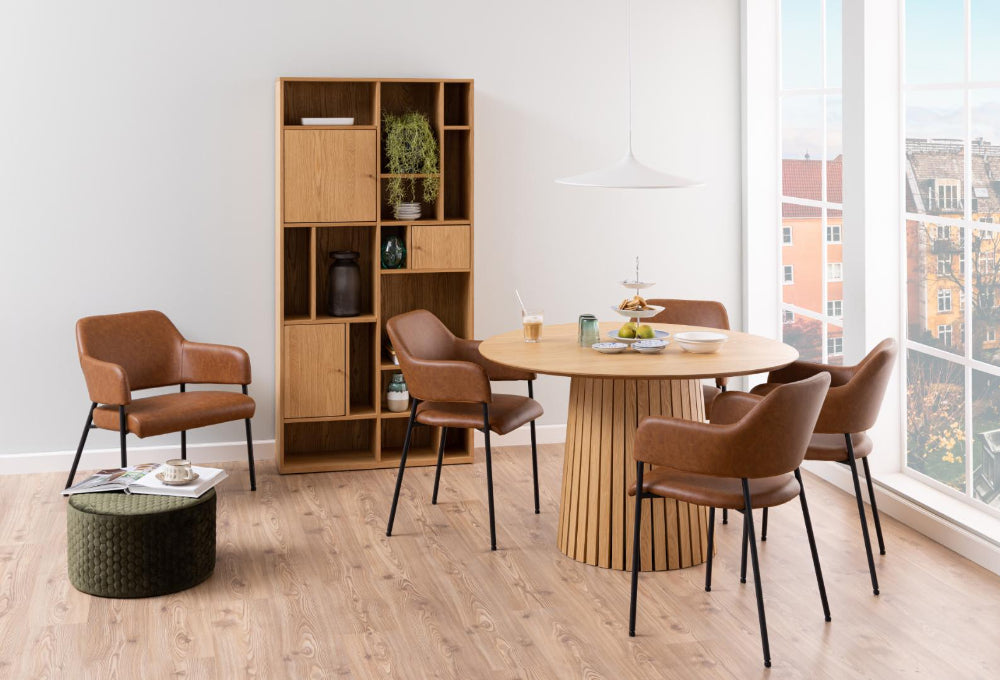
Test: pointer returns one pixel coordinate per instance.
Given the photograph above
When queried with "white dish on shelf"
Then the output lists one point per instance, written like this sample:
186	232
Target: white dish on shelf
609	347
651	310
701	342
658	335
328	121
650	346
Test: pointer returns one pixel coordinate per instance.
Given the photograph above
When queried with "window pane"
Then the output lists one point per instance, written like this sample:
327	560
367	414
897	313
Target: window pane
834	40
985	18
801	33
986	438
935	275
834	344
985	296
802	146
935	417
804	255
935	41
935	153
985	110
805	335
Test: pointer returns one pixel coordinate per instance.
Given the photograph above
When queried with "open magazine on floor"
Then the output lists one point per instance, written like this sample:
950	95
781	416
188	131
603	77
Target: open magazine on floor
142	479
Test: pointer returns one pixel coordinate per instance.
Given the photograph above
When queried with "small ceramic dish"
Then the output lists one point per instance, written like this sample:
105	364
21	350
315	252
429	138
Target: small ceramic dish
659	335
701	342
609	347
176	482
650	346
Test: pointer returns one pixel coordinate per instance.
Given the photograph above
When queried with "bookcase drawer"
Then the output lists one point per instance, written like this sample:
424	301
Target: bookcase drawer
441	247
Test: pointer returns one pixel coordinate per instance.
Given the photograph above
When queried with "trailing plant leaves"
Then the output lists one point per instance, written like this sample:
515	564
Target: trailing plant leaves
410	149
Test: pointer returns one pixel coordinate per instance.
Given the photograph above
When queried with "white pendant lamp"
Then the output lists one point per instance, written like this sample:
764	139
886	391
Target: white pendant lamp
629	172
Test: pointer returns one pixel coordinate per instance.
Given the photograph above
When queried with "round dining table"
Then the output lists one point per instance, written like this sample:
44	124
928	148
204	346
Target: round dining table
609	395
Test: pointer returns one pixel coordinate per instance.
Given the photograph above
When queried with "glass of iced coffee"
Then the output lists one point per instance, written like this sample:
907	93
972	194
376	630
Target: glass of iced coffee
532	321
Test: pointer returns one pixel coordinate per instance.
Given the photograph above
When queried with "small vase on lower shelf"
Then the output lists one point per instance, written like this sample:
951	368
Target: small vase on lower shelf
397	397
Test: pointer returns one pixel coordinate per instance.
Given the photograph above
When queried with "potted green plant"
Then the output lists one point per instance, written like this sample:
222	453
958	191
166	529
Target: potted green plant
410	149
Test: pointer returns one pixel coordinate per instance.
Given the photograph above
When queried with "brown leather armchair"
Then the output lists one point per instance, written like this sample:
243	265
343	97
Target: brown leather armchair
747	457
120	353
449	381
851	407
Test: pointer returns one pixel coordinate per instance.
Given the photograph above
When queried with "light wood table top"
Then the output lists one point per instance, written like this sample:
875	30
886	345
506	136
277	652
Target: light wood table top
558	354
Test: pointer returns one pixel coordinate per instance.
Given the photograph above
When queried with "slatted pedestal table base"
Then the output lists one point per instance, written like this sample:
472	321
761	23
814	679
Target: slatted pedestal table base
596	514
609	395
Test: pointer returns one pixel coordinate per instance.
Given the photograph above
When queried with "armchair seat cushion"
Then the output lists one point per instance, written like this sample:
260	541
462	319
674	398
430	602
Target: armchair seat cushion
833	447
507	413
167	413
718	492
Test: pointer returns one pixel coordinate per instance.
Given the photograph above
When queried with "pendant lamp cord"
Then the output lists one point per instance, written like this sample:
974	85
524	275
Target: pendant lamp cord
628	54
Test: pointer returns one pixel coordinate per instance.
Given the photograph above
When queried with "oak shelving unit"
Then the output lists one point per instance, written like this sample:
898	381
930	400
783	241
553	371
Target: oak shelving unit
331	372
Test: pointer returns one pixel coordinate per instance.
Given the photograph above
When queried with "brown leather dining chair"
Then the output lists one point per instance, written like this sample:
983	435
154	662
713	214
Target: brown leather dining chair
707	313
120	353
747	457
449	381
852	406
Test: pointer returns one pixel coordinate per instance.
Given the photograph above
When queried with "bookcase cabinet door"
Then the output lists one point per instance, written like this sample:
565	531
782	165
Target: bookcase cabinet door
330	176
441	247
315	384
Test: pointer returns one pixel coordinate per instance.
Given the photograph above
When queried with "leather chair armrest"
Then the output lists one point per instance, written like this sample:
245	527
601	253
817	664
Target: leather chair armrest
686	445
730	407
800	370
468	350
446	380
219	364
107	383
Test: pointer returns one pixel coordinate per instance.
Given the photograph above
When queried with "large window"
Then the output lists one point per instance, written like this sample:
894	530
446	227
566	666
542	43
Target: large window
811	177
951	170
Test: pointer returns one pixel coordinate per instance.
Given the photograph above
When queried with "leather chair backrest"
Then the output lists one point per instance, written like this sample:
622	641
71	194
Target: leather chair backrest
774	436
706	313
145	344
854	406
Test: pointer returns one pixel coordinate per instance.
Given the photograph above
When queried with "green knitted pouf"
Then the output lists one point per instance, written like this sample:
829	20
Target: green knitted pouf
132	545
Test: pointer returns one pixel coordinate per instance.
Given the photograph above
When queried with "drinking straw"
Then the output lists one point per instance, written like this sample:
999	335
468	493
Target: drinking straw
520	301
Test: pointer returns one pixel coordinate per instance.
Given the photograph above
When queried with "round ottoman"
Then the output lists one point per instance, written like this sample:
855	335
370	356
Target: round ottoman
136	545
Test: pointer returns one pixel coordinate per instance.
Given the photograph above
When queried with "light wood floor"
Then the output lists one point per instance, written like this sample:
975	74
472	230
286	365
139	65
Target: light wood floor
307	586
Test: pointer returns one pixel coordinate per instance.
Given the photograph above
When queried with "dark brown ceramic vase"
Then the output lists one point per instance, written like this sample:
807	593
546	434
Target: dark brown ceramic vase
343	284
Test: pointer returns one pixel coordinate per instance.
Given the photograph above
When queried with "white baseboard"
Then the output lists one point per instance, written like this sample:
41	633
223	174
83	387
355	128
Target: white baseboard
93	459
544	434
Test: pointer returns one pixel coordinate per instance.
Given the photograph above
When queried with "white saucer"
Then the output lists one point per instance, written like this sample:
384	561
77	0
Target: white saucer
176	482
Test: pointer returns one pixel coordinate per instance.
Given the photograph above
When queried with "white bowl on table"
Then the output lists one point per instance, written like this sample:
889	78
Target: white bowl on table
701	342
609	347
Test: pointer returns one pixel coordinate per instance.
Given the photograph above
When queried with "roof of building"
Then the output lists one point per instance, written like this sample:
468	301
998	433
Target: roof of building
802	178
929	161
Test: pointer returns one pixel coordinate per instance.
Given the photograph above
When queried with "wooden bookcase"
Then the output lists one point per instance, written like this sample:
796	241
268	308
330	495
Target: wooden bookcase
330	372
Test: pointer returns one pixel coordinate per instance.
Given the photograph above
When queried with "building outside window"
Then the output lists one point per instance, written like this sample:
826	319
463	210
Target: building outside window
835	346
944	300
789	274
835	308
835	271
833	233
786	236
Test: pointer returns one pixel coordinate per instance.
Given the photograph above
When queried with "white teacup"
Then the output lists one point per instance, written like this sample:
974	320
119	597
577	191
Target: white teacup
177	470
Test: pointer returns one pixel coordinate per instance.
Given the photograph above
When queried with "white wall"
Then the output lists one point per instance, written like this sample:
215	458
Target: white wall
137	161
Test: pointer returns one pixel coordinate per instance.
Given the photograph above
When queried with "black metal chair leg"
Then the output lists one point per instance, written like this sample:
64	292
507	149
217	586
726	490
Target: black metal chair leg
711	548
184	439
812	545
748	518
725	515
743	557
489	475
871	500
79	449
861	511
534	450
253	473
437	472
763	526
122	430
402	466
635	548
